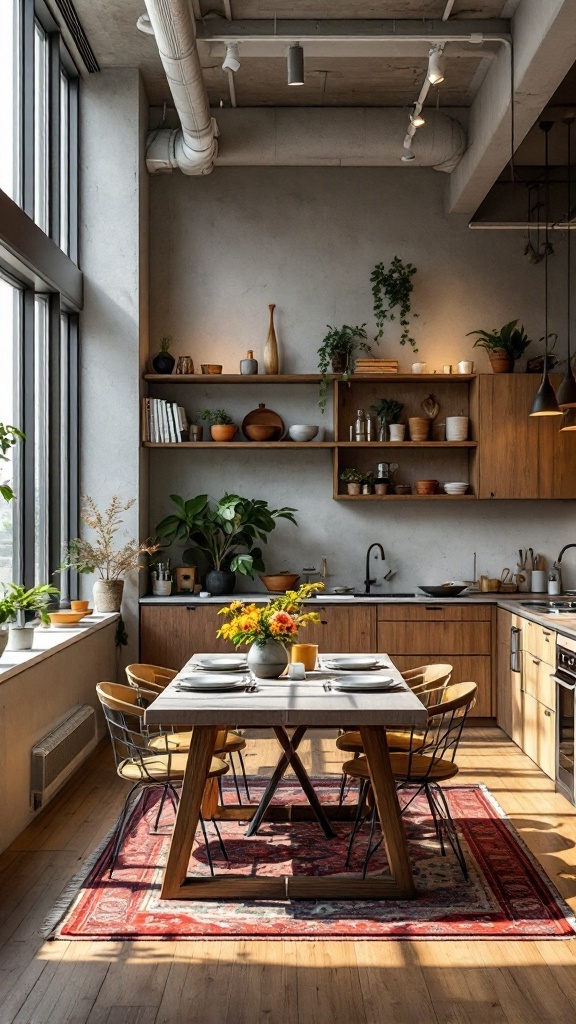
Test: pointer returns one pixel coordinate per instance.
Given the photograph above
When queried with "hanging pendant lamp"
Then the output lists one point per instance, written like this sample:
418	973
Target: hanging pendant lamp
567	391
545	403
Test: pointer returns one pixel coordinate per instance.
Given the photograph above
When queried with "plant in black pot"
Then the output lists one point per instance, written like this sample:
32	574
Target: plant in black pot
164	361
223	538
336	351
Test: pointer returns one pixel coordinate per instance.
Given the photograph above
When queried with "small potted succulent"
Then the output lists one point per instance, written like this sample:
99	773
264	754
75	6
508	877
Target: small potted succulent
504	346
222	426
336	351
164	361
353	479
15	603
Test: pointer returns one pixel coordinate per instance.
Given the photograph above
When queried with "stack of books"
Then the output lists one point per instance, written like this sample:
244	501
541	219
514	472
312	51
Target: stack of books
376	366
163	422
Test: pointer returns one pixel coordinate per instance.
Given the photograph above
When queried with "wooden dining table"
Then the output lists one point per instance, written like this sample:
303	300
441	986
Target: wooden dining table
286	704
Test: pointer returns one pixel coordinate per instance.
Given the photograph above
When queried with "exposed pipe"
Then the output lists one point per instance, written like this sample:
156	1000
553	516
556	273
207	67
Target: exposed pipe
193	148
448	9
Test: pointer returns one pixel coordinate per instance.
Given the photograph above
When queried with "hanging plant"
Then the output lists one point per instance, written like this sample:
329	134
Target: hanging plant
391	290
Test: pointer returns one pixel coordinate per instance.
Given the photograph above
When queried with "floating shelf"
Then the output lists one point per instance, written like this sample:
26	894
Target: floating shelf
303	378
239	444
406	444
405	497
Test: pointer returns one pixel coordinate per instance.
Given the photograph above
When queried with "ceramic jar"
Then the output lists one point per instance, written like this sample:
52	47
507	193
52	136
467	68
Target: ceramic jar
108	595
249	366
456	428
267	660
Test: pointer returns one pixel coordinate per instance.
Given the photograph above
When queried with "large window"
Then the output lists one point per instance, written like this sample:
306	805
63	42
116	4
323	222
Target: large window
10	106
41	128
41	439
10	334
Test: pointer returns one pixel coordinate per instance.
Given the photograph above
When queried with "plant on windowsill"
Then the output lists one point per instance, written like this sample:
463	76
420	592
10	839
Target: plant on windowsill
224	537
353	479
336	351
504	346
9	436
392	289
222	426
16	601
164	361
102	555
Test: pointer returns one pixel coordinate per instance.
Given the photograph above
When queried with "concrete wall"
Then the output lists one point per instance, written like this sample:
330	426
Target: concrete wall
224	246
35	701
114	322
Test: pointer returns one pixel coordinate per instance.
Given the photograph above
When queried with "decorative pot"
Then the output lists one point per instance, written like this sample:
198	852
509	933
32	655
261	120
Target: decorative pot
20	638
249	366
354	488
3	640
339	362
271	361
108	595
267	660
501	361
220	581
163	362
223	431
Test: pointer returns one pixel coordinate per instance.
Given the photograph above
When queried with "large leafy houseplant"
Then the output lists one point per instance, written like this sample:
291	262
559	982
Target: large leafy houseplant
225	537
392	290
336	351
504	345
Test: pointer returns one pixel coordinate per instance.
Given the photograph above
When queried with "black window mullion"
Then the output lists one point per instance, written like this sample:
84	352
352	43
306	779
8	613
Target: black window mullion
27	106
27	406
72	440
55	434
73	138
54	135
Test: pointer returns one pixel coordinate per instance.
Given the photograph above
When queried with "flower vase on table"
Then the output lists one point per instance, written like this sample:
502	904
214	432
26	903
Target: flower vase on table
270	629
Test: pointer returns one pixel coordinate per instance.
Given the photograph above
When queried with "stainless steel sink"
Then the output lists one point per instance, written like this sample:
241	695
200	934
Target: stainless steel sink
551	607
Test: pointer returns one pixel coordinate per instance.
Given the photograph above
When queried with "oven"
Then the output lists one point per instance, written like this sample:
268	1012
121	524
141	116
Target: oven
565	678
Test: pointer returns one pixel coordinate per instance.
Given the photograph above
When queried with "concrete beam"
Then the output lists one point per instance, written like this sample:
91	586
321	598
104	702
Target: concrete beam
544	49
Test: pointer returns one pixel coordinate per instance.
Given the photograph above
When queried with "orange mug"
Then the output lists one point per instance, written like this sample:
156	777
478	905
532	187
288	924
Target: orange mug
306	653
79	606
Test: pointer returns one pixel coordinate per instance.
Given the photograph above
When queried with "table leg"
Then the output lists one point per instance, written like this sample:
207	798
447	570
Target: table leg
384	787
272	786
304	780
197	767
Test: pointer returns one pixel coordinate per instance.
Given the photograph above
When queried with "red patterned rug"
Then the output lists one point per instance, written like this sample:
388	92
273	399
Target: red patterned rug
507	894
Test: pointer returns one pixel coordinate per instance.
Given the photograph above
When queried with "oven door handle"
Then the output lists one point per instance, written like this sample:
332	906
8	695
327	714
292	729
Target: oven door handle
563	683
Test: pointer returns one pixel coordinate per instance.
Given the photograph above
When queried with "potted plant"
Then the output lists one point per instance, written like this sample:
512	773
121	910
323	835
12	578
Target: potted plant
164	361
222	426
224	537
391	290
269	628
15	603
367	483
336	351
388	411
353	479
503	346
102	555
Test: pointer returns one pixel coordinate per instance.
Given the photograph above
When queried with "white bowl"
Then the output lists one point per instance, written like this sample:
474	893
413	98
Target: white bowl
303	431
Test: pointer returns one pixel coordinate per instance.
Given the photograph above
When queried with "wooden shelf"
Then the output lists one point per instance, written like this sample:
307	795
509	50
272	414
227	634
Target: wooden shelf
405	497
406	444
240	444
413	378
234	378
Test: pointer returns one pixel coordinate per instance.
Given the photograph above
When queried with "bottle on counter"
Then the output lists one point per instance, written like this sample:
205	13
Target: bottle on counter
360	426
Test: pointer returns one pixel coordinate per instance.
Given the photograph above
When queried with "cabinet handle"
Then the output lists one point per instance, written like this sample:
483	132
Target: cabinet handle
323	622
190	607
547	713
433	608
544	633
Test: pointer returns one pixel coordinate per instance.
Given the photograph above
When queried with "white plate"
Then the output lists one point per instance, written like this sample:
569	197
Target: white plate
213	681
225	663
357	662
359	681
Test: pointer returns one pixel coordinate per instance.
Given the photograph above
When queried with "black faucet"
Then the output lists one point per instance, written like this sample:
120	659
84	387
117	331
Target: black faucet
368	582
558	561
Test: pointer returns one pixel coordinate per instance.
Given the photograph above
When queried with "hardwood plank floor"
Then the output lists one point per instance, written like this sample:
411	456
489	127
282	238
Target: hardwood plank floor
235	982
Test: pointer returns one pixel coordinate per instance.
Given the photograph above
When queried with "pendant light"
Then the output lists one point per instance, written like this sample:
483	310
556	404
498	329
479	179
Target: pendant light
567	390
545	403
295	65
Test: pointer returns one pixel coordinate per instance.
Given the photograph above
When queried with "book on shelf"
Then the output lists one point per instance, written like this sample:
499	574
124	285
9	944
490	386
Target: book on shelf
163	422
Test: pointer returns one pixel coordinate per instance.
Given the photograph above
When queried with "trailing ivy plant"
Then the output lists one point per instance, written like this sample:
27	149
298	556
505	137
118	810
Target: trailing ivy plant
391	290
339	342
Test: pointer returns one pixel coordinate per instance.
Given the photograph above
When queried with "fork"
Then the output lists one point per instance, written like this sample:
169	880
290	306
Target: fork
327	686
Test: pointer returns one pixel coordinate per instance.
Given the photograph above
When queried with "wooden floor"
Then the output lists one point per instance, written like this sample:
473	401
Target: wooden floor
283	982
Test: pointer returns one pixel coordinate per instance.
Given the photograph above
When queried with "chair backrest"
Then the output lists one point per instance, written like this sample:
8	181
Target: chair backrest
446	720
153	676
425	676
124	717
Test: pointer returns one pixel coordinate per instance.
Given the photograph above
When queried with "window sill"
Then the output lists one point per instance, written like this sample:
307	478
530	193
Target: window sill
48	641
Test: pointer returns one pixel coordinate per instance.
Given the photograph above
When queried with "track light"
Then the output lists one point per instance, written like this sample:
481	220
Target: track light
407	155
231	61
295	65
417	120
436	64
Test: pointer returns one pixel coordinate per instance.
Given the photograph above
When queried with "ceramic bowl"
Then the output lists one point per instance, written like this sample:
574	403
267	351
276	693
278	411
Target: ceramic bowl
303	431
211	367
65	618
280	582
261	432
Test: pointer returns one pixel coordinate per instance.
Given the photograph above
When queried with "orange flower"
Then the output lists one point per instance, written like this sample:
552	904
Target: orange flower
281	622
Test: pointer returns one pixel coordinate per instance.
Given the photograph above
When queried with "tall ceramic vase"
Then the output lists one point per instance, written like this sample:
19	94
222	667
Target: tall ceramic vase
271	361
267	660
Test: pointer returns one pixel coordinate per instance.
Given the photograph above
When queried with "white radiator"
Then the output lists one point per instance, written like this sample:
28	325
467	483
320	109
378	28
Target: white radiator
59	753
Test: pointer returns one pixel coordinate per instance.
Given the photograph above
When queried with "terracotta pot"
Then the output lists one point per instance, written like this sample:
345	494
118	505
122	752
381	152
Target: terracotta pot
501	361
267	660
381	488
223	431
354	488
108	595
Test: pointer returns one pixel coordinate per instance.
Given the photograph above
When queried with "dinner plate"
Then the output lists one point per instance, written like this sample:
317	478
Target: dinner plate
359	681
222	663
357	663
199	682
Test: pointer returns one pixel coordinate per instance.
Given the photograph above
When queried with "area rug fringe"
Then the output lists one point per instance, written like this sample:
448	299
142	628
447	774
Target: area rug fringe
73	890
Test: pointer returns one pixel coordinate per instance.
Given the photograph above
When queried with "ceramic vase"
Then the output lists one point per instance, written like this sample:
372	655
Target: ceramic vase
267	660
20	638
108	595
271	362
220	582
163	363
249	365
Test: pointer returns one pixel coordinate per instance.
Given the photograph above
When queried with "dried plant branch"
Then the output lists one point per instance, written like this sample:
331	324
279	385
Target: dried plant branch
100	555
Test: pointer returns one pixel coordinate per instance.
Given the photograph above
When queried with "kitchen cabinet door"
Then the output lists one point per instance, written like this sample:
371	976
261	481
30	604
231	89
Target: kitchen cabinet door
434	638
343	629
537	680
171	634
509	682
508	454
540	734
465	669
540	642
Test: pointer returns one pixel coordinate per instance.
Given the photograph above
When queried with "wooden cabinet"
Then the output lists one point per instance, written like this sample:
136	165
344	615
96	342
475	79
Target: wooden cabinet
170	634
536	680
518	456
459	634
539	734
509	675
343	629
539	641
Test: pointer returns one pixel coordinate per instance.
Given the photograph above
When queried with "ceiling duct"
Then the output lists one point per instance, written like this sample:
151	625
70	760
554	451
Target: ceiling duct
193	147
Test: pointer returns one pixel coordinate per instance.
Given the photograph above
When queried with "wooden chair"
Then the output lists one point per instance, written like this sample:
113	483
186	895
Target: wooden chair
429	760
146	766
155	679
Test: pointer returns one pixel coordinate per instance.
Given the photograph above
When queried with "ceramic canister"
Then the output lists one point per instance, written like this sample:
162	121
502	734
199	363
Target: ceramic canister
249	366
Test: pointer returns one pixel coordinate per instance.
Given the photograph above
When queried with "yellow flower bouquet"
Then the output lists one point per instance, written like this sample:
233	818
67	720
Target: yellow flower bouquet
279	619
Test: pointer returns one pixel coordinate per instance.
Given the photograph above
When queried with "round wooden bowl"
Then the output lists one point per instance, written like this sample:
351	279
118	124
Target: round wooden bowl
263	417
260	432
211	367
419	427
426	486
281	582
